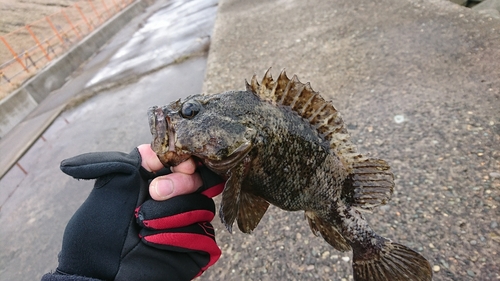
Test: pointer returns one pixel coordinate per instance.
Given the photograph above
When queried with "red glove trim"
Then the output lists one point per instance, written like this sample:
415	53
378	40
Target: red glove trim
180	220
214	190
191	241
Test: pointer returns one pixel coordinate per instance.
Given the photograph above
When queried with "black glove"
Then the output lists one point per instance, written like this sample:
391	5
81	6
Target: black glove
120	233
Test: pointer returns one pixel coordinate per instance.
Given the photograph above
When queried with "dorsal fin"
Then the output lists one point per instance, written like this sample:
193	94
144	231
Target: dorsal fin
370	182
302	99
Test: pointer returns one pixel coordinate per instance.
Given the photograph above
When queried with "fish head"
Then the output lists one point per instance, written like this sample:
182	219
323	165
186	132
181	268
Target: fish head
204	126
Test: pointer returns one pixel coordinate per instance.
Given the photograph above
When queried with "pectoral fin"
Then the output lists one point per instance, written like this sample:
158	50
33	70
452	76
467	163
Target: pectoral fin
251	210
231	198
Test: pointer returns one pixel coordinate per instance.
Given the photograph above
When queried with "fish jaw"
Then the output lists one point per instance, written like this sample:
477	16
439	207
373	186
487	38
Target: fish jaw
164	138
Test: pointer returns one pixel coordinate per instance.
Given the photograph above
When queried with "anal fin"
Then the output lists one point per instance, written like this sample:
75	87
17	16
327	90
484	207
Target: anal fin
328	231
370	184
250	212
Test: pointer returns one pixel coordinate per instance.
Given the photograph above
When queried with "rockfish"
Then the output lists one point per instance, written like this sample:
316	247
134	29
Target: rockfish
279	142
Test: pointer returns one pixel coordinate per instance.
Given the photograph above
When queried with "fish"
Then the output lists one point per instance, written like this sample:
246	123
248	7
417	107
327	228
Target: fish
279	142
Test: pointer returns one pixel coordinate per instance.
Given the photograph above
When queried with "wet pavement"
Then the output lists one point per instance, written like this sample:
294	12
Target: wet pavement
109	113
161	40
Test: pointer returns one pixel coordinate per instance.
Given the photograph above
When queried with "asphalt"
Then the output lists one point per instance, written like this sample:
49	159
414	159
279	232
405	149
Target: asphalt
418	84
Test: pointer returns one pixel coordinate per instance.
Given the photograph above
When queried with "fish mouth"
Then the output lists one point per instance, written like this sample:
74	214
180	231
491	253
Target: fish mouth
164	138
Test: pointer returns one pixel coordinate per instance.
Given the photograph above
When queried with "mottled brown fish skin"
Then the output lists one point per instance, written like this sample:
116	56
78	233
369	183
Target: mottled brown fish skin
290	162
280	143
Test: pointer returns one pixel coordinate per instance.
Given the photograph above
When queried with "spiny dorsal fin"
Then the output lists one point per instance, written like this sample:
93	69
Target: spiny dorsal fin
370	182
302	99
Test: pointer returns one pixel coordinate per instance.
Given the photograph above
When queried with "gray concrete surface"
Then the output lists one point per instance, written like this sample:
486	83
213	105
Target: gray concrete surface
36	199
418	84
15	107
489	8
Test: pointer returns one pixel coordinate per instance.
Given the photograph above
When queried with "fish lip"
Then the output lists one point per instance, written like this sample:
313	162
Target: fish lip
171	135
158	126
164	138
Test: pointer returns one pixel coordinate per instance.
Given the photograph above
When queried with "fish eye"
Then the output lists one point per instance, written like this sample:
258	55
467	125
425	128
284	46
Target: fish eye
190	109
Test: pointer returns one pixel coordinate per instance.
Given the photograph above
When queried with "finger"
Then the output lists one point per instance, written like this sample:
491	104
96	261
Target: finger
179	211
195	237
165	187
186	167
150	160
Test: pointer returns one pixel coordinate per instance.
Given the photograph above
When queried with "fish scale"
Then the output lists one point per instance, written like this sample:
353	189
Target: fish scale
279	142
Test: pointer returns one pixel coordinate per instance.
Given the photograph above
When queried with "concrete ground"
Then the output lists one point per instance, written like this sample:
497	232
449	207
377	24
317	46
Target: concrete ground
417	82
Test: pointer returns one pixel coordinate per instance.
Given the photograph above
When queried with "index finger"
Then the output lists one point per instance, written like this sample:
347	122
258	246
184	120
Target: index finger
151	163
150	160
186	167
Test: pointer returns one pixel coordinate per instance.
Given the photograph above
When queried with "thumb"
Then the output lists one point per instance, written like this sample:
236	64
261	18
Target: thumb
165	187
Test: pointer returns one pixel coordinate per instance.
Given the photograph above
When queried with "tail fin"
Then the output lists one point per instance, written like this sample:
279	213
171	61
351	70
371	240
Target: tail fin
393	262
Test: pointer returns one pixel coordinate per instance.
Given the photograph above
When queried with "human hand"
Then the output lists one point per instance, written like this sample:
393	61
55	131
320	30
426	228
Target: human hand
120	233
182	180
